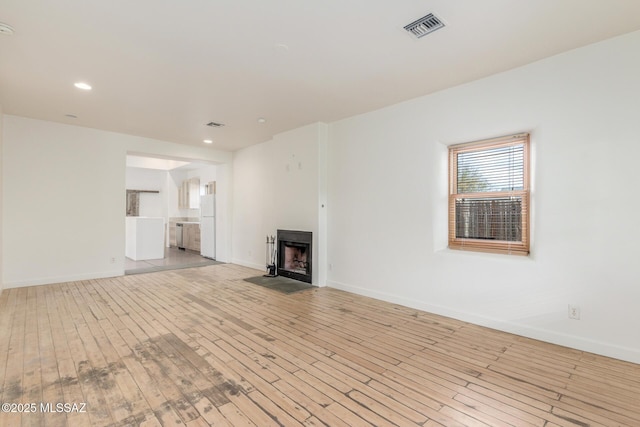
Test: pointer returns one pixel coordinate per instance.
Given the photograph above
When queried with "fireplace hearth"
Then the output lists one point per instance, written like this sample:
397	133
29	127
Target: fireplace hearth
294	254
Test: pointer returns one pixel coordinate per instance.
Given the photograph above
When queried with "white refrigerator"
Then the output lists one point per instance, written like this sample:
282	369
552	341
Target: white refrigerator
208	226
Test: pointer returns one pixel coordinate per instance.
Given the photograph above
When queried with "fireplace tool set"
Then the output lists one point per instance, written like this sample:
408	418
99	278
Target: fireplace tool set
271	257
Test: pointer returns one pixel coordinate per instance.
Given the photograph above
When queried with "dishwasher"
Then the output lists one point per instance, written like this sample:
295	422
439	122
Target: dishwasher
179	236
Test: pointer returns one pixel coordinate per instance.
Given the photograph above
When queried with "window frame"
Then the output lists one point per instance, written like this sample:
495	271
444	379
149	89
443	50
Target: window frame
483	245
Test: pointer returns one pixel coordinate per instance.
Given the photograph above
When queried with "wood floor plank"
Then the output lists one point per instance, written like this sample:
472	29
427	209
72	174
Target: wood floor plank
279	414
50	380
151	382
32	378
130	401
321	408
356	415
12	389
234	415
8	313
67	380
279	397
599	414
202	346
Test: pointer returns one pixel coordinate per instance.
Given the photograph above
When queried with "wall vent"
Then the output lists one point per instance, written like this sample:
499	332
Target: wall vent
425	25
215	124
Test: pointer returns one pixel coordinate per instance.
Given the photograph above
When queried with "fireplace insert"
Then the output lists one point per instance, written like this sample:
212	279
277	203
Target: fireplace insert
294	254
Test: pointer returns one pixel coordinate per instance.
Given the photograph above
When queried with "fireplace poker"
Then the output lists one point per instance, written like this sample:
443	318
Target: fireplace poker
271	257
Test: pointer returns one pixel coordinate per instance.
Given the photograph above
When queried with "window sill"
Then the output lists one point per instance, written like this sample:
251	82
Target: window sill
484	254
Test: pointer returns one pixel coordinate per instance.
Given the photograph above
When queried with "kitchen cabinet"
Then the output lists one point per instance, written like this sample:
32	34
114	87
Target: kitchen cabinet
191	236
189	194
172	232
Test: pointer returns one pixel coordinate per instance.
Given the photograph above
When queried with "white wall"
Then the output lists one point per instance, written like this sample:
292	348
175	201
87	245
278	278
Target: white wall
276	185
1	202
64	199
224	212
151	204
388	202
64	203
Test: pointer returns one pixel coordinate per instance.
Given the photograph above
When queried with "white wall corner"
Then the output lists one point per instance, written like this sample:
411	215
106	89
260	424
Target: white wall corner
322	262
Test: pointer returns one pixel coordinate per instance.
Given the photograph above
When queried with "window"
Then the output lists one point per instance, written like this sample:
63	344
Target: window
489	195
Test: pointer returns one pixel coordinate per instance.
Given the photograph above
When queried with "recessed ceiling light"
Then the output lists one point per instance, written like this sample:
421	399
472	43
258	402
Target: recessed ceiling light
82	85
6	29
261	120
208	141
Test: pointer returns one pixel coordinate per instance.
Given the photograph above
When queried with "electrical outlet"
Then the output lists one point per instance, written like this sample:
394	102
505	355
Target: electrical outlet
574	312
113	260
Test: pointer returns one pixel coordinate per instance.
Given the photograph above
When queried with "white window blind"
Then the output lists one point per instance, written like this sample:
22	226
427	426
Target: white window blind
489	195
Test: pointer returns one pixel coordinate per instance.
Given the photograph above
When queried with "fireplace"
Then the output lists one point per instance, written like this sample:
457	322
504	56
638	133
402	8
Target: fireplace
294	254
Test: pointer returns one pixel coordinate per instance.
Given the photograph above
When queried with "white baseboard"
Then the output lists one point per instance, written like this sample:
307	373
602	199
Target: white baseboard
578	343
63	279
249	264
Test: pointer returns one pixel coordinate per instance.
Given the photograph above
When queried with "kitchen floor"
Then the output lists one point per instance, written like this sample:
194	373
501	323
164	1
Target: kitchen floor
174	259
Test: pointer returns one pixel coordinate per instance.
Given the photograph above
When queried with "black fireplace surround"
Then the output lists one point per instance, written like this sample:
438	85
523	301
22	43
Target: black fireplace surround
294	254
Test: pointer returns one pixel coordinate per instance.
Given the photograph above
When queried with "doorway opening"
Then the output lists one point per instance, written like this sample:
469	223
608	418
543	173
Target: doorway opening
163	193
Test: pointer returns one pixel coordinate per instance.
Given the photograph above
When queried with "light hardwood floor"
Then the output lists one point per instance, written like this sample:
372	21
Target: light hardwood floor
203	347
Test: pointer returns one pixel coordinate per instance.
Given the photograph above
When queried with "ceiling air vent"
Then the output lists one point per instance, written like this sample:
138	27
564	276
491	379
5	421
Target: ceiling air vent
425	25
214	124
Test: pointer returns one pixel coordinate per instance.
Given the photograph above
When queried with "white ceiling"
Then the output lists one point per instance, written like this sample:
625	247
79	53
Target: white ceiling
162	164
162	69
